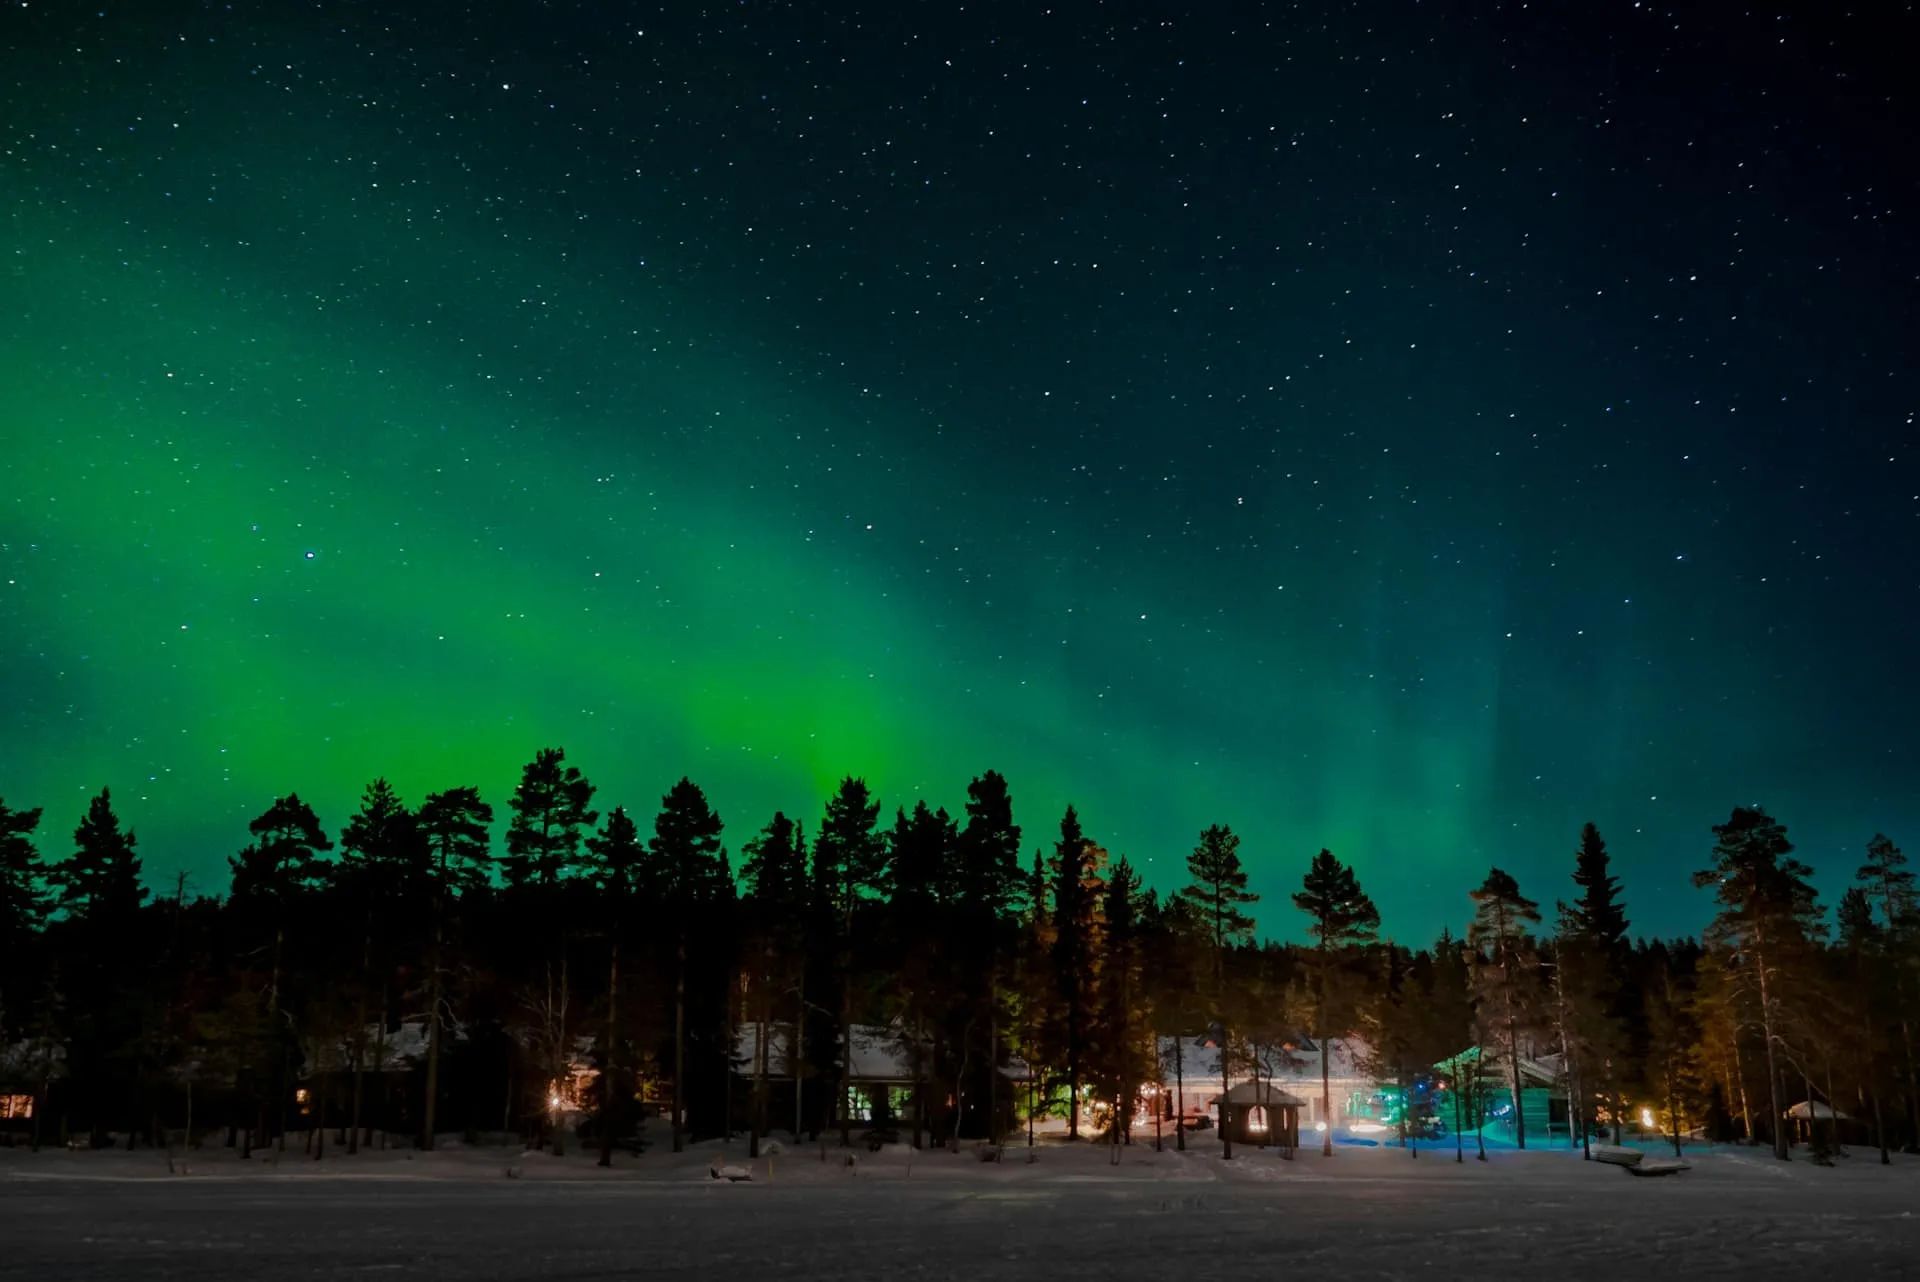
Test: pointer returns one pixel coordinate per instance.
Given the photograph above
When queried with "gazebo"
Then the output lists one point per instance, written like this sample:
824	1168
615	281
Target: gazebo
1260	1113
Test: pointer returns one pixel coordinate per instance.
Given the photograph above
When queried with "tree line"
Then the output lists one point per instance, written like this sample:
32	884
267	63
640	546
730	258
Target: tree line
588	981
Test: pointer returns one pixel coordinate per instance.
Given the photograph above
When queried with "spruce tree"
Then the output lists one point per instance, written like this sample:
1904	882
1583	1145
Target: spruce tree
380	875
1343	918
1124	1034
99	883
1075	955
1591	982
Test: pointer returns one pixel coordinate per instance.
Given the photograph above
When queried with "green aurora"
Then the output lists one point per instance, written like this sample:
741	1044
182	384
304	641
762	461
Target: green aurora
340	442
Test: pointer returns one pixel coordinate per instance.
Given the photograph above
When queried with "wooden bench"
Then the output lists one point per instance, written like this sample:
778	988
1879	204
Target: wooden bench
1635	1162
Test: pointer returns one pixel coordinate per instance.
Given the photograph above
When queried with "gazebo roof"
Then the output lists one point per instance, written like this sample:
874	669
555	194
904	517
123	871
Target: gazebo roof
1266	1093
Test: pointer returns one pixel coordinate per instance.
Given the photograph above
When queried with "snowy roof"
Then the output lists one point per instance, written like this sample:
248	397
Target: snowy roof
1807	1109
881	1053
386	1050
1492	1062
1262	1092
1295	1063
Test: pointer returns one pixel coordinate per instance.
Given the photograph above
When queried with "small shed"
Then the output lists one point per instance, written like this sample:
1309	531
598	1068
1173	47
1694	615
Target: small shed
1259	1113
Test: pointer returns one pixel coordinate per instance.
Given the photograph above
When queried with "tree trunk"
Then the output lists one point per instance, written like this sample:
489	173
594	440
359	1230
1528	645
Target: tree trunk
796	1058
919	1074
760	1027
1226	1109
320	1117
1459	1140
429	1111
993	1075
1179	1093
680	1045
1326	1091
1833	1122
1780	1149
1740	1075
1513	1051
608	1071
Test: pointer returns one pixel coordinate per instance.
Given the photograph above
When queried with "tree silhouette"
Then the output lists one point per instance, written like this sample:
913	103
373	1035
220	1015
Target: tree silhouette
1217	890
1075	957
100	882
23	907
849	866
1591	982
1767	921
1343	917
696	882
618	862
550	812
1499	930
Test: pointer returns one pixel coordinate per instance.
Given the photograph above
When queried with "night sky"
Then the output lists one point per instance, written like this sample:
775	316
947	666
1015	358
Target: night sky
1410	429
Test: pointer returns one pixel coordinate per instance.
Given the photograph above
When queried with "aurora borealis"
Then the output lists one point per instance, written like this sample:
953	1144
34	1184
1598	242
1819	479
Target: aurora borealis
1413	432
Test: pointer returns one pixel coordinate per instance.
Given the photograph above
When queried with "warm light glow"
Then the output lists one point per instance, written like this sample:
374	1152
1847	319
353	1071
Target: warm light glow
1319	1126
1646	1118
1364	1126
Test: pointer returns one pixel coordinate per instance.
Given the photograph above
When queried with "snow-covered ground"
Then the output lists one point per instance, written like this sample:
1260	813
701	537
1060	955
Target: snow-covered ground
1070	1213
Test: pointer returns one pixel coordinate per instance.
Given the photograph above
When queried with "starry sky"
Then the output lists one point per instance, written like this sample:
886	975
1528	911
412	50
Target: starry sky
1413	429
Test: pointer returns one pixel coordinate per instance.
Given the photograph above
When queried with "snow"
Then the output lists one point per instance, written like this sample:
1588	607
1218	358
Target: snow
1067	1214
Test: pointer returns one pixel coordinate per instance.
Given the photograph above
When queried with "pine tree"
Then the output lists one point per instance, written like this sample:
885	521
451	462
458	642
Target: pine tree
1180	954
926	937
1888	886
271	878
987	887
697	884
775	870
1343	918
1217	891
1501	917
550	812
283	863
453	826
23	908
616	861
778	902
1767	921
850	867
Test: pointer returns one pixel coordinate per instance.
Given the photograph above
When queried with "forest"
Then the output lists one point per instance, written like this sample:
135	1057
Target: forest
588	982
